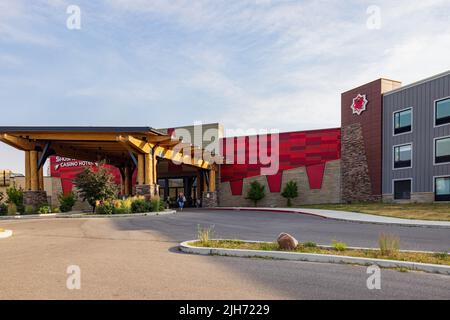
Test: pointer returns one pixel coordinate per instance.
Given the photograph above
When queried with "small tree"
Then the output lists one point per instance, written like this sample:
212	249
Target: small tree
256	192
290	191
95	185
15	196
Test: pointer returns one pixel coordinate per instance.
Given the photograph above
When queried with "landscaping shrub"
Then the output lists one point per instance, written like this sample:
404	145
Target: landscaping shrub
56	210
290	191
3	209
204	235
122	206
45	210
256	192
104	207
67	201
29	209
339	246
140	205
157	205
15	196
12	209
388	244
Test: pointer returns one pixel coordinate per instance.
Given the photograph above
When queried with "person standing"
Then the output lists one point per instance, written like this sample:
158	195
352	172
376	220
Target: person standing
181	200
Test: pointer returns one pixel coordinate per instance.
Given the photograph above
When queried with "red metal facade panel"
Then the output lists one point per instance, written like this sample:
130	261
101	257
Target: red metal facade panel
296	149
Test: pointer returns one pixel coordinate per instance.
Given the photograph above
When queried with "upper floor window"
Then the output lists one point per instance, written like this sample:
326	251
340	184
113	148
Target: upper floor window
442	150
402	156
403	121
442	112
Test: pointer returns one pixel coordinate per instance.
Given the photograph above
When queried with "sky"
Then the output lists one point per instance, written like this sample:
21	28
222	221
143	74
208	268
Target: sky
260	64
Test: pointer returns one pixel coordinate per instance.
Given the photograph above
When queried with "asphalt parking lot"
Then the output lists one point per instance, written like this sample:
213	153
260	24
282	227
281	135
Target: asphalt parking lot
137	258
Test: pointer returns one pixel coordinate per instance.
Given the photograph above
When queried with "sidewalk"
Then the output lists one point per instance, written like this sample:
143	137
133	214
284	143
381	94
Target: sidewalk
348	216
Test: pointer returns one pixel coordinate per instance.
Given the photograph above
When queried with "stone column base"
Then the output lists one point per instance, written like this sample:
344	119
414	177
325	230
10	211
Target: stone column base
35	198
149	191
210	199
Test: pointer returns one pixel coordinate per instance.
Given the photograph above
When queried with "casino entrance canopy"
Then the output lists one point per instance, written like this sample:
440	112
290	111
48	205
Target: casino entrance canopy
126	148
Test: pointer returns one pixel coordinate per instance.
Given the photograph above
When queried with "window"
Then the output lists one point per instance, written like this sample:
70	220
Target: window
442	153
442	112
402	156
442	189
403	121
402	189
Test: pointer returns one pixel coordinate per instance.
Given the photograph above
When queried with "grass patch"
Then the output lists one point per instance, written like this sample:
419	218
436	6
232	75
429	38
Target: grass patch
433	258
421	211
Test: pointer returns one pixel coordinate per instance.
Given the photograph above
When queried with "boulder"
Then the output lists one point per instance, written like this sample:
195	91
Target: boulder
286	241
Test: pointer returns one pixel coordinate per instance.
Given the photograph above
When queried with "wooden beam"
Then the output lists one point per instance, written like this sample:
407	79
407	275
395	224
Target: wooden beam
17	142
69	136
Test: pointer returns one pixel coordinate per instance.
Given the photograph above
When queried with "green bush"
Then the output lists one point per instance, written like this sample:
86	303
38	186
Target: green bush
339	246
56	210
67	201
256	192
290	191
157	205
45	210
15	196
122	206
3	209
29	209
104	208
12	209
140	206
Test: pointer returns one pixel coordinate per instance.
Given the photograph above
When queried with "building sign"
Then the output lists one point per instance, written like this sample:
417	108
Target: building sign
67	169
62	162
359	104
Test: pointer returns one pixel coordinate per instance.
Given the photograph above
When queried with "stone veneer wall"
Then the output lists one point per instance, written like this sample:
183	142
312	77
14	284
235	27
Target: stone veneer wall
329	193
416	197
356	186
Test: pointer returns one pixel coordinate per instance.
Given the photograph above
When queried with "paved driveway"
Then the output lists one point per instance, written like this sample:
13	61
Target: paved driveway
250	225
136	258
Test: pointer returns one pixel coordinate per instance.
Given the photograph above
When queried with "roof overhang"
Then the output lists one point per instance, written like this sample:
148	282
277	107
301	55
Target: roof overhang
115	145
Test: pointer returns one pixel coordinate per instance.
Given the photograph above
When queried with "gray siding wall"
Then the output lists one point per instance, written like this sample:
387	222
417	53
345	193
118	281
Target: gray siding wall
421	98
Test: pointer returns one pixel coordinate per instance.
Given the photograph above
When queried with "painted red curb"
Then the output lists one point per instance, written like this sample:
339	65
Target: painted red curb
267	210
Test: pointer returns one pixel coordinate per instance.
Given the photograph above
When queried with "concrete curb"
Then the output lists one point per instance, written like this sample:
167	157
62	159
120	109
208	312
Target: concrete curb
82	215
349	217
314	257
5	234
28	216
128	215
